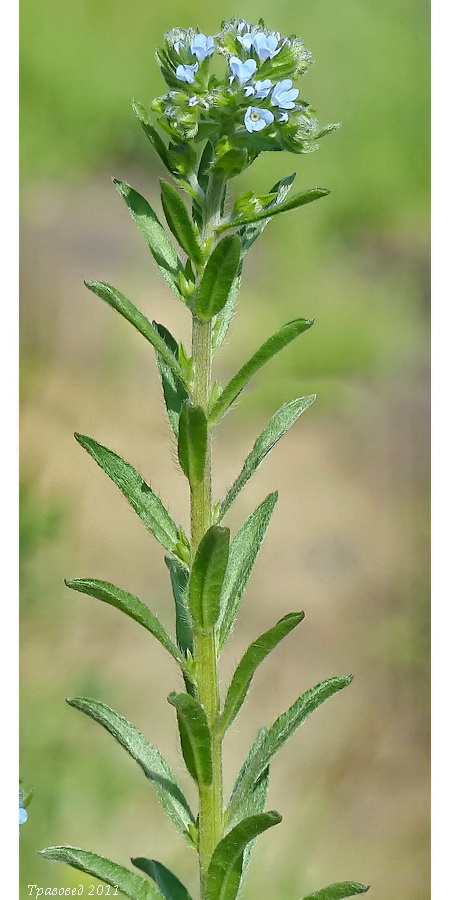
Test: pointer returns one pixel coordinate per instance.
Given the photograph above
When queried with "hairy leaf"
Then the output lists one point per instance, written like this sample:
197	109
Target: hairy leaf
145	503
192	442
223	319
224	873
207	576
278	425
133	886
153	136
244	549
155	236
280	732
250	661
195	737
169	885
180	222
249	233
293	203
146	755
173	386
220	273
255	801
131	606
179	577
339	891
130	312
273	345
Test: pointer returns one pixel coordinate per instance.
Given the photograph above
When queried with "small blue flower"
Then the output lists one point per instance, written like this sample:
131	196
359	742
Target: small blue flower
256	119
283	94
265	45
283	117
262	88
186	73
246	40
23	815
202	46
243	71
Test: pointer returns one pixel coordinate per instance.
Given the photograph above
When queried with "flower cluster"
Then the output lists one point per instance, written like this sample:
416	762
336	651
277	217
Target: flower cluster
254	106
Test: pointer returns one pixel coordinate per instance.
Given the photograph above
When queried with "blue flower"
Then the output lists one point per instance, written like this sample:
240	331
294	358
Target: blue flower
283	117
243	71
283	94
186	73
262	88
265	45
23	815
202	46
256	119
246	40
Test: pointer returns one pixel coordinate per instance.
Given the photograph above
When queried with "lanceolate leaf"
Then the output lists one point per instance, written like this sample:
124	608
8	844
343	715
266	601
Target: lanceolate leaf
179	577
169	885
133	886
207	576
244	549
180	222
224	873
255	654
131	606
338	891
293	203
147	505
195	737
174	390
249	233
278	426
155	236
273	345
280	732
254	802
223	319
192	442
220	273
126	309
153	136
146	755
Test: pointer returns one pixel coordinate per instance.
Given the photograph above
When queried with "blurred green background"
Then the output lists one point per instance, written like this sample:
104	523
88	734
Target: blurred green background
349	538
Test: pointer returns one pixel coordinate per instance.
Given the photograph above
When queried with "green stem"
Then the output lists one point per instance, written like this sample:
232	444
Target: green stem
210	826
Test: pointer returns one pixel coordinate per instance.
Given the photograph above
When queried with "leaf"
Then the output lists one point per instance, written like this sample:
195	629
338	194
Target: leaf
155	236
278	425
224	873
169	885
147	757
131	606
244	549
273	345
153	136
293	203
223	319
249	233
339	891
133	886
192	442
180	223
254	802
130	312
207	576
280	732
255	654
174	390
195	737
217	280
179	577
141	497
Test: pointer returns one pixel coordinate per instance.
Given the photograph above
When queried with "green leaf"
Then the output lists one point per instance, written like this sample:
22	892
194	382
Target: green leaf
155	236
131	606
169	885
278	425
293	203
192	442
244	549
180	222
207	576
133	886
195	737
224	873
273	345
255	654
223	319
280	732
254	802
249	233
153	136
147	757
179	577
174	390
141	497
130	312
217	280
339	891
